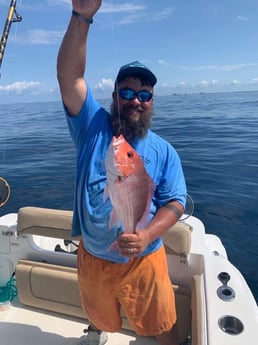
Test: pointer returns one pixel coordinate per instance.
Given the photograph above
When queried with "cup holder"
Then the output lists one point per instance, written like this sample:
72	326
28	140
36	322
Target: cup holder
224	277
231	325
225	292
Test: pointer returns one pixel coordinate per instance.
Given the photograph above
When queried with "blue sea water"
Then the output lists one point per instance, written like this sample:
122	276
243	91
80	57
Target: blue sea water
216	135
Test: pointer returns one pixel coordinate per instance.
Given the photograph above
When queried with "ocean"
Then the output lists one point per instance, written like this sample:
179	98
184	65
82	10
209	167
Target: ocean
215	134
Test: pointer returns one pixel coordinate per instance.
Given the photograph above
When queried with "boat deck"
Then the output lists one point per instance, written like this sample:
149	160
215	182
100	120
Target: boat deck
29	326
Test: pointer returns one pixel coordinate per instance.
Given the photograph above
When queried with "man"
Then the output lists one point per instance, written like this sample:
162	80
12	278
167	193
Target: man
136	276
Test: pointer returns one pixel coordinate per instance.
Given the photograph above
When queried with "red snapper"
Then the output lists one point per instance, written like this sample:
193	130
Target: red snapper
129	186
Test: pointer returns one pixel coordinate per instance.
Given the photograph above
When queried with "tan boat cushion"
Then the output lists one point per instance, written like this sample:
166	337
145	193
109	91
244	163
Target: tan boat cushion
41	285
44	222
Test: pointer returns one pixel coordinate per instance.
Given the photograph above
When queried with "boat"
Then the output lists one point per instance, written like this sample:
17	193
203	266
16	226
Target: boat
38	273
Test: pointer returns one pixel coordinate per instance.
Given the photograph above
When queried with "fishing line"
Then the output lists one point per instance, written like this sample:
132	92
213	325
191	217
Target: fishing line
112	33
189	208
114	64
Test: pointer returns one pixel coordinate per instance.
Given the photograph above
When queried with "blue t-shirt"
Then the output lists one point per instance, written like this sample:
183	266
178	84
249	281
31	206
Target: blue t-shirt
92	133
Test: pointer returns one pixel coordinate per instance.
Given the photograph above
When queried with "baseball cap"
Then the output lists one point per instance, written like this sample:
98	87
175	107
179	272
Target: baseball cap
136	68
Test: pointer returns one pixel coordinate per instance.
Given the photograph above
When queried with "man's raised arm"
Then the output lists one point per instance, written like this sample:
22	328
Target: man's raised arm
71	61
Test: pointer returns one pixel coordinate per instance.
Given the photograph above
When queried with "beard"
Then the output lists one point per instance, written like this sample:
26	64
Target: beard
125	122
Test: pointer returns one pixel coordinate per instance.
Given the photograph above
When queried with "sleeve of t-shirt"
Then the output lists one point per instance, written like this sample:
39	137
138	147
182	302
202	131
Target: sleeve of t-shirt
79	125
172	186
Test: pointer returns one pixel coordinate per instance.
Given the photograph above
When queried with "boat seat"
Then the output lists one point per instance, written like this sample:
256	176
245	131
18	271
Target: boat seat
41	285
57	224
44	222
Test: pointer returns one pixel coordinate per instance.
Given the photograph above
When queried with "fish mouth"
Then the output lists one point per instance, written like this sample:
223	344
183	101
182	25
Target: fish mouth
117	141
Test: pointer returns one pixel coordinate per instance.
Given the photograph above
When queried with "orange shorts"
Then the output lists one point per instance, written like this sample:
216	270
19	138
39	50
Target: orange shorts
141	287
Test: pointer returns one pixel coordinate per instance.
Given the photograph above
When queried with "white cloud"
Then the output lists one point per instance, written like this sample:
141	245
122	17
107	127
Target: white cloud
224	68
65	3
135	13
132	18
104	84
141	16
163	14
107	7
40	37
182	84
114	8
19	86
203	83
163	62
242	18
235	82
254	81
198	85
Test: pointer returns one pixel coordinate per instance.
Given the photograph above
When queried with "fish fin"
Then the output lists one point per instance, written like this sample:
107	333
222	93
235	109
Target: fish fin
105	194
113	220
143	222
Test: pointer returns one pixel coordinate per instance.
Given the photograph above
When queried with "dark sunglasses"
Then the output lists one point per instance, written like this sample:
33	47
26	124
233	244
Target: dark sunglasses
130	94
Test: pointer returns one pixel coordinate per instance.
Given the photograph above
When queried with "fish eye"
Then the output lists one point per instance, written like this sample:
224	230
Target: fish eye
130	154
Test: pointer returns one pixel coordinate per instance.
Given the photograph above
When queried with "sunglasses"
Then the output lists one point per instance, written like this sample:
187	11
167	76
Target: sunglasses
130	94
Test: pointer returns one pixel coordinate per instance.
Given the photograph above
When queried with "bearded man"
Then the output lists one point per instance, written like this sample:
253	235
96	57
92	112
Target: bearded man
135	276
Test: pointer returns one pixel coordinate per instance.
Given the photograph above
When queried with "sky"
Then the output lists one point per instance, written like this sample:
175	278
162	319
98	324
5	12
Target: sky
191	46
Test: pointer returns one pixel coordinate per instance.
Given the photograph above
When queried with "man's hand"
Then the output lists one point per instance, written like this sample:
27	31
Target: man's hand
132	245
86	7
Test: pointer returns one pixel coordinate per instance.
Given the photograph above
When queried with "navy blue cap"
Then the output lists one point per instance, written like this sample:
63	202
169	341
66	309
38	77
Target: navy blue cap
136	68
